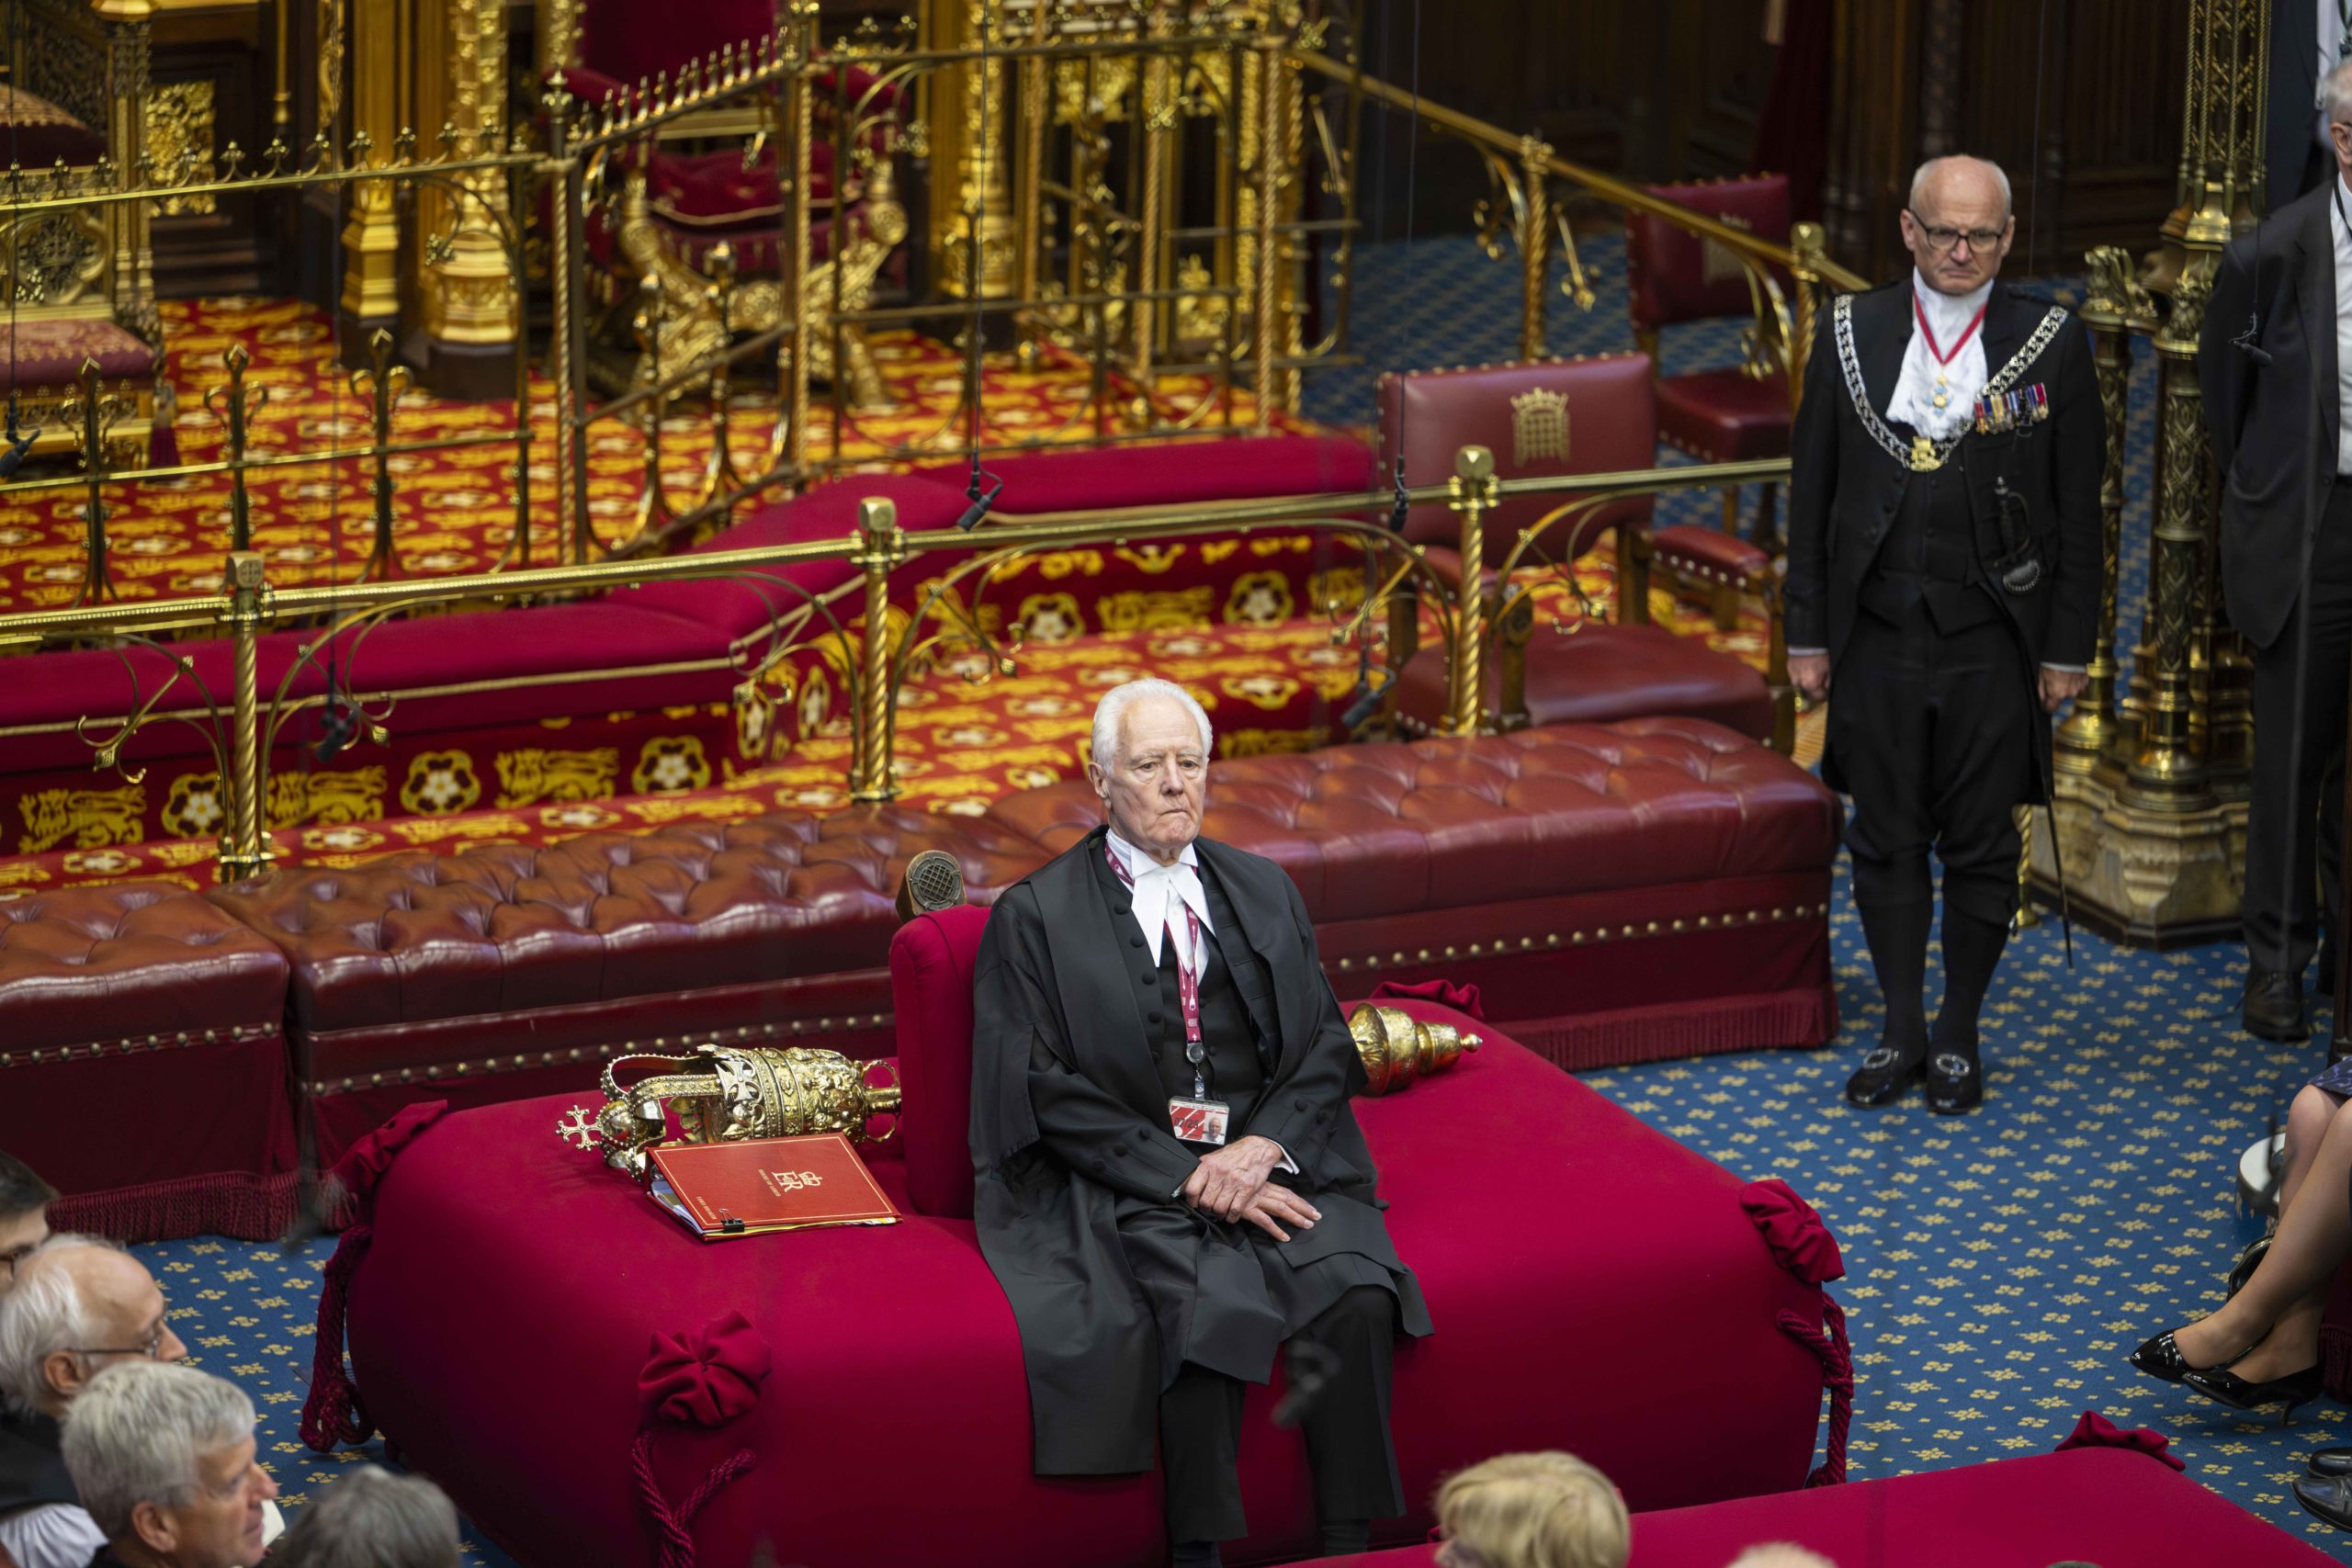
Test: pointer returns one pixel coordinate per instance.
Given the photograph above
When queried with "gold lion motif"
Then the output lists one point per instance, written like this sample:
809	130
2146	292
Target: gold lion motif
534	773
88	816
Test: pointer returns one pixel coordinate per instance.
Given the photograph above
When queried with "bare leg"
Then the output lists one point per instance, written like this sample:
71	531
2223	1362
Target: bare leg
2307	1120
2288	1290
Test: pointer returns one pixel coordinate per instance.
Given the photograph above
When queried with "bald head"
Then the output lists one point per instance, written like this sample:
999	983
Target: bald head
80	1304
1958	227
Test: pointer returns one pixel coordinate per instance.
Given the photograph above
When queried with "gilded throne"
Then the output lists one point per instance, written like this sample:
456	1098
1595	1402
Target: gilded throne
714	179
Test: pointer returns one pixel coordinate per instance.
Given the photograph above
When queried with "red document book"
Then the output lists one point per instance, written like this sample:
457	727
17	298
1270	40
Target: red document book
720	1190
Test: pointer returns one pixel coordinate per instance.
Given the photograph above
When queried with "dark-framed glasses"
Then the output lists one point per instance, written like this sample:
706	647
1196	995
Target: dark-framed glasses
155	1343
1942	237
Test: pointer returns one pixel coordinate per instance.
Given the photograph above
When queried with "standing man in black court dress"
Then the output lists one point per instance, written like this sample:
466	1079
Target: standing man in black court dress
2271	364
1943	594
1171	1185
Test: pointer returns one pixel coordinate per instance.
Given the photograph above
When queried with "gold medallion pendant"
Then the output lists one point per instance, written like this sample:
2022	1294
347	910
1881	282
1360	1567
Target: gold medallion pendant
1924	456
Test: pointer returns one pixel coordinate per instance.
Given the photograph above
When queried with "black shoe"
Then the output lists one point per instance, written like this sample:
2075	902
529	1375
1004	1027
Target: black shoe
2248	1261
2330	1462
1884	1075
2293	1390
2326	1497
2274	1006
1955	1082
2162	1359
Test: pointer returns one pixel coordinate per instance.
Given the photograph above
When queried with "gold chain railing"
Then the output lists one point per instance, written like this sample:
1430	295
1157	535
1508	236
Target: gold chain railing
246	604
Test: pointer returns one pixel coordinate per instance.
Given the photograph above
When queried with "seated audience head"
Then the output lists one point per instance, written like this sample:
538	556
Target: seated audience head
1781	1555
24	1214
1150	764
373	1518
79	1305
164	1459
1538	1510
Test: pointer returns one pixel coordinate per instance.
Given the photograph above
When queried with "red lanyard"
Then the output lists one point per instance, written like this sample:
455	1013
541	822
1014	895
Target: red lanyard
1188	975
1944	357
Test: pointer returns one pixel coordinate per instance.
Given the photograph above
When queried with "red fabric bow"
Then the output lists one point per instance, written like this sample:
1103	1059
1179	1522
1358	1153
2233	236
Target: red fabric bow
1462	998
363	1163
2096	1431
1793	1229
707	1377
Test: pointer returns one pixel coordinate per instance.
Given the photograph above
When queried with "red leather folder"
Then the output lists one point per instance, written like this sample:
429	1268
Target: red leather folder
722	1191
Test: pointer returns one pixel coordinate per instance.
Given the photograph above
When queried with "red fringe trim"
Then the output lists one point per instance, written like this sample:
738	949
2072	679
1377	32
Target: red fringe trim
236	1205
1707	1027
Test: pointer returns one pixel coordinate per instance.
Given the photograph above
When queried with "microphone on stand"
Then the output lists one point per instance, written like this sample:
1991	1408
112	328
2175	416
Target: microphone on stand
338	723
981	501
18	445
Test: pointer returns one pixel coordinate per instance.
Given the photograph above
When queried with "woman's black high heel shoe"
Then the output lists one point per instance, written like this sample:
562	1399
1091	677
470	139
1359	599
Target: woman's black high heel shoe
2162	1359
2294	1390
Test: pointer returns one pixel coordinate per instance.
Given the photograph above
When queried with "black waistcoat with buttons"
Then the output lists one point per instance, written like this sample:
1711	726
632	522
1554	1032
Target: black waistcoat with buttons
1931	555
1235	1068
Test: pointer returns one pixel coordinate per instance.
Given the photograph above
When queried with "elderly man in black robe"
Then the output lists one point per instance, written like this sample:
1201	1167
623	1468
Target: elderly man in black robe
1171	1184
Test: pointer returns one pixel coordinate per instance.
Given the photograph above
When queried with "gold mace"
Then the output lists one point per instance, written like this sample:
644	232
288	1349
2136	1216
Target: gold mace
1396	1047
727	1094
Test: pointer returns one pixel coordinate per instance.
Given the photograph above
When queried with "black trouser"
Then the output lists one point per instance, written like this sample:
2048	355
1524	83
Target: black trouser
1932	733
1346	1427
2299	751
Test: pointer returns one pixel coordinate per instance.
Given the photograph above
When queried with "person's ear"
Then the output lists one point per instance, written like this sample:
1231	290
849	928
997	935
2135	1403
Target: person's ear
62	1370
154	1528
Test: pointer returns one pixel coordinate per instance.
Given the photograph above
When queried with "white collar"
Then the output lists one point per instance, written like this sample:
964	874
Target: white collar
1163	891
1948	314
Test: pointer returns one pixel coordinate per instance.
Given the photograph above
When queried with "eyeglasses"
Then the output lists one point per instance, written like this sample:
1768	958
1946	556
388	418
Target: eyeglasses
155	1343
1942	238
16	1255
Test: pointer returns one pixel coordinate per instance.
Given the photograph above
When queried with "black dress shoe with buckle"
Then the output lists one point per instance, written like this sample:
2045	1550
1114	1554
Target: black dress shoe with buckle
2327	1497
1955	1082
2274	1006
2330	1462
1884	1075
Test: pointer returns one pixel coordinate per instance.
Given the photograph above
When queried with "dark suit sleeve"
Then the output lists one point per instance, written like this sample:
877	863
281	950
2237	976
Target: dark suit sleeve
1302	1101
1026	1088
2081	457
1812	484
2225	374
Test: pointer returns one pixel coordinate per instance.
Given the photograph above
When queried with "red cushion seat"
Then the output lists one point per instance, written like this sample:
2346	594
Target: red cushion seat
42	134
51	354
1108	478
1603	672
1724	415
525	1411
142	1062
2110	1506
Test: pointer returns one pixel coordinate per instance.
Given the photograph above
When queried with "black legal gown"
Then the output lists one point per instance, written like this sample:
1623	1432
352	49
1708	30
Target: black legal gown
1115	1280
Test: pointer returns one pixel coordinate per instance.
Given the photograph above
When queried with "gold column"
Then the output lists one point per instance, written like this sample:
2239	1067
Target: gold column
372	232
1472	495
1157	125
880	549
962	100
1810	249
1535	243
2117	306
243	851
128	26
1265	192
467	294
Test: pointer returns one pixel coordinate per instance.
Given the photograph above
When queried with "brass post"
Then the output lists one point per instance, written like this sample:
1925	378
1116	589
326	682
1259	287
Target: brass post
2115	306
383	383
1809	247
653	506
1157	118
1471	495
879	548
243	851
97	411
1037	125
2167	774
2025	917
718	474
1535	243
800	114
1263	333
235	406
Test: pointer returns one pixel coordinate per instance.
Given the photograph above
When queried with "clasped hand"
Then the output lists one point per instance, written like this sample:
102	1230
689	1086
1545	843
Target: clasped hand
1232	1184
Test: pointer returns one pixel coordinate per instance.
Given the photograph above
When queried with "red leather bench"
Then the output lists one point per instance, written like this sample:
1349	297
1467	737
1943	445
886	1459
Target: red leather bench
142	1063
893	1353
2110	1506
510	971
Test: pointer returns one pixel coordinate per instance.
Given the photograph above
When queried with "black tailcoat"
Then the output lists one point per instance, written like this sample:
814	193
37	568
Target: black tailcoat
32	1470
2274	480
1844	487
1078	1172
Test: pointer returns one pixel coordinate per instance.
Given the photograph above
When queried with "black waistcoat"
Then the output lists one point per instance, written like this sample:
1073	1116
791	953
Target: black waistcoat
1931	556
32	1471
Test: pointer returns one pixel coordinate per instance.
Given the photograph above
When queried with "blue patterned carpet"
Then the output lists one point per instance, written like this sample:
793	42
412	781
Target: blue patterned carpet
2000	1265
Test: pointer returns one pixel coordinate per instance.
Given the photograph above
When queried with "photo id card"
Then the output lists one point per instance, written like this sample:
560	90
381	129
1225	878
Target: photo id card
1199	1121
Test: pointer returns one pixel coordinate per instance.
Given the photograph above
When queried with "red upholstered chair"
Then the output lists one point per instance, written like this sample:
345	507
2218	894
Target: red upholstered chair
1728	413
691	191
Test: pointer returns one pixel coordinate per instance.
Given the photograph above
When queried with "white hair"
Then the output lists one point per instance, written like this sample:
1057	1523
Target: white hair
45	1313
2337	93
137	1433
1788	1554
373	1518
1927	172
1119	699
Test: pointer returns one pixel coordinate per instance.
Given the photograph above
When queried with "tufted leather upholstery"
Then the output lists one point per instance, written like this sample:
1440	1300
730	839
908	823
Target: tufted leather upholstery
1391	829
142	1062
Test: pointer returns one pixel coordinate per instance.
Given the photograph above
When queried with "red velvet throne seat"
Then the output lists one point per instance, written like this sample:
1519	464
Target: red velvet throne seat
1723	413
893	1423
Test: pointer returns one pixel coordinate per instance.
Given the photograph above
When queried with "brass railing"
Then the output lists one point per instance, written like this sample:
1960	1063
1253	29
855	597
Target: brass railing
246	720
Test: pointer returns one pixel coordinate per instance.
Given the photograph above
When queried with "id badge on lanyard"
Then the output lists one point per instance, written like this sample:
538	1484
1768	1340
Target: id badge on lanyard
1199	1119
